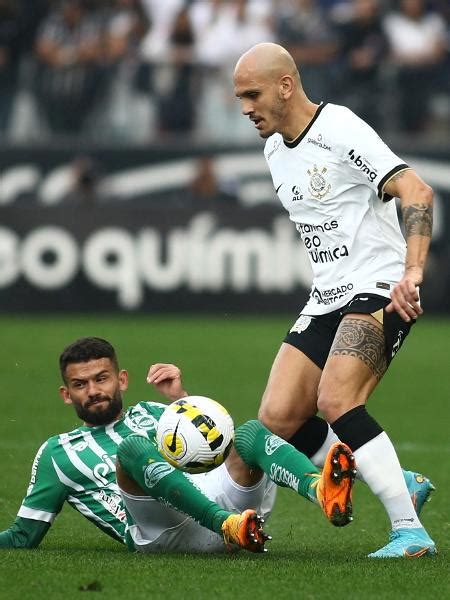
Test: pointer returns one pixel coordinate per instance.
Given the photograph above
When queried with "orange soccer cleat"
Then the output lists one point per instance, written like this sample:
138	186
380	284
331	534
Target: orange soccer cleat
334	485
246	531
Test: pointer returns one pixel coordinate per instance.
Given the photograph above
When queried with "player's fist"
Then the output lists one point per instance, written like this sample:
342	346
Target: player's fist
167	380
405	299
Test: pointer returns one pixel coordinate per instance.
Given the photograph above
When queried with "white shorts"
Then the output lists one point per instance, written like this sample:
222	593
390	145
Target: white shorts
154	527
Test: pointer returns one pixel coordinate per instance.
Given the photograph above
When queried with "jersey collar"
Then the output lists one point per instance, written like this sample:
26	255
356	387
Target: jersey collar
298	139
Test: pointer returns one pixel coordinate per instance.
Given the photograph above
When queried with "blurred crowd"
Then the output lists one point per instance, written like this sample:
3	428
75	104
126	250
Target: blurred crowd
125	71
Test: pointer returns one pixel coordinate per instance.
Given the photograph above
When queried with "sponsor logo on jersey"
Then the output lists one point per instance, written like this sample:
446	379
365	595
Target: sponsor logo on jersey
301	324
319	143
313	243
328	255
318	186
113	503
364	165
34	467
273	442
307	228
80	446
105	471
155	472
276	145
296	193
279	474
66	438
331	295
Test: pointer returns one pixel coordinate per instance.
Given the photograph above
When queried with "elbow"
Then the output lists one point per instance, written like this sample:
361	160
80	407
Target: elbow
426	194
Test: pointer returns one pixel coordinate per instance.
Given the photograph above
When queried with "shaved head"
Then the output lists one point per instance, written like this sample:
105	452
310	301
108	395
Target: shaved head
267	82
269	60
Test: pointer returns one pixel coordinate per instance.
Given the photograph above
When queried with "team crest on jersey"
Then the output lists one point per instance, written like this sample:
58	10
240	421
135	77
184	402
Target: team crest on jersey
301	324
318	185
139	422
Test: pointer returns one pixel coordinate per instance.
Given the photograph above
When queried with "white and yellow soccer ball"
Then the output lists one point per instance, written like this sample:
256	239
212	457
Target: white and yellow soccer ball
195	434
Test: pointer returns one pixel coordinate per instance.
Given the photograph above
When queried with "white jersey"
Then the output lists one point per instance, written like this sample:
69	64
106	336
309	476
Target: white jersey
331	180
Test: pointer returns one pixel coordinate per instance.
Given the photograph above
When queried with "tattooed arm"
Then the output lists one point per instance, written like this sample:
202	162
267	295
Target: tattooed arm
416	198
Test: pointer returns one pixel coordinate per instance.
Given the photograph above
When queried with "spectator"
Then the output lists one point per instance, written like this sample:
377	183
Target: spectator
69	52
224	29
125	114
127	26
305	30
362	48
11	42
206	191
84	185
162	15
176	105
417	50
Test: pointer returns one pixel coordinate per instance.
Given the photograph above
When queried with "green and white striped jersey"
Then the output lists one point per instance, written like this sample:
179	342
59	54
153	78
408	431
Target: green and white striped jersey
79	467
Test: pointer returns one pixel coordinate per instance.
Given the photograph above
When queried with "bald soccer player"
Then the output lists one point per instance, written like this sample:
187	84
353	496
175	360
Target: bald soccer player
337	179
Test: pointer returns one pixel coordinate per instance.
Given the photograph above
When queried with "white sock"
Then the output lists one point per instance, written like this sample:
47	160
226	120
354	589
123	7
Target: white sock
318	459
379	466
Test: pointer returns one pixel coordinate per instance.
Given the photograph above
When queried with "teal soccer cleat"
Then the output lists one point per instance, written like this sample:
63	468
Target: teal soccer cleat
407	543
420	488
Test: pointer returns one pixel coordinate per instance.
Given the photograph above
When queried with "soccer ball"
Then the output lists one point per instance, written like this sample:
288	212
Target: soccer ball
195	434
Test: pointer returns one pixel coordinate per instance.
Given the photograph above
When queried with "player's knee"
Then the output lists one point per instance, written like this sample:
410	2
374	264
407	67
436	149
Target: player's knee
280	422
123	452
127	483
329	403
131	449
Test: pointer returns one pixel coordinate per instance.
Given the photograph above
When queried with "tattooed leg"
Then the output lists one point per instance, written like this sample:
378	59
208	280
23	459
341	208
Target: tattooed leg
355	365
364	340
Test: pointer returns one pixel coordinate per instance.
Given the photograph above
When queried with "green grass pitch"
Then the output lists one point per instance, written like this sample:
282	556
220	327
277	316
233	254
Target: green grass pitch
227	358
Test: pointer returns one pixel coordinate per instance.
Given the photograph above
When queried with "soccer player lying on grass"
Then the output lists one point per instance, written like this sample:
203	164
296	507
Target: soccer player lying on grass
152	506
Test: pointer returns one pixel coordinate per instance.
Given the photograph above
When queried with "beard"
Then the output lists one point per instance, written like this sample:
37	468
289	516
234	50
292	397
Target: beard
277	115
92	414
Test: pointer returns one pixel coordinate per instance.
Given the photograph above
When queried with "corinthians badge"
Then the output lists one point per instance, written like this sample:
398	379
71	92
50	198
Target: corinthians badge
318	186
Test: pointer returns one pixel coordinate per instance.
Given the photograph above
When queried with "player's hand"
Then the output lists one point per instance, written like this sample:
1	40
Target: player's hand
167	380
405	297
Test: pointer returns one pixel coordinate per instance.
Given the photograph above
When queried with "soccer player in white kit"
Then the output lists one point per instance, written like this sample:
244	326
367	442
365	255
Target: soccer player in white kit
337	178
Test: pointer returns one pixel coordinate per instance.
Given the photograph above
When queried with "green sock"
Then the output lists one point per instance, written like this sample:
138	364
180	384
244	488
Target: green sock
142	461
286	466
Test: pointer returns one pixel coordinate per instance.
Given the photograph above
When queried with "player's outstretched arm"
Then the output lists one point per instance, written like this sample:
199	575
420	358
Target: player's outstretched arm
45	498
167	380
416	199
24	533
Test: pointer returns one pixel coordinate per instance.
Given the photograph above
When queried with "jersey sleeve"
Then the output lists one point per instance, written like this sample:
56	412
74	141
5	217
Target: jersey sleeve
46	494
369	159
24	533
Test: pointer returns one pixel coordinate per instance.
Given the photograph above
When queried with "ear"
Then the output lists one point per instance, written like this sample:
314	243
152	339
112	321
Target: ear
286	87
123	380
64	393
